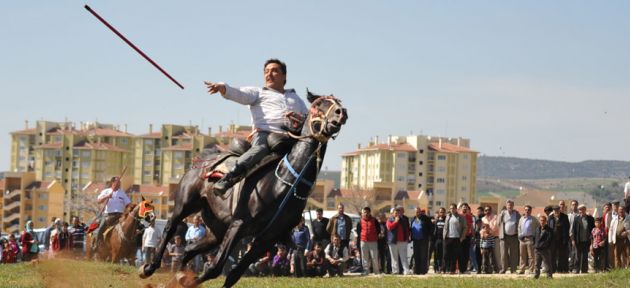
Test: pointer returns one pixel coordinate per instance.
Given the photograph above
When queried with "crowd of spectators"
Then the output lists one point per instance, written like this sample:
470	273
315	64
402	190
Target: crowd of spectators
454	241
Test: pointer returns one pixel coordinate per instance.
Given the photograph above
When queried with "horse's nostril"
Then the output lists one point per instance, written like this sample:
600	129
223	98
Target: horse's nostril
334	122
338	111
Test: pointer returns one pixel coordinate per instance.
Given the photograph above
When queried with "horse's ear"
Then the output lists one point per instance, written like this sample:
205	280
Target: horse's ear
310	96
142	197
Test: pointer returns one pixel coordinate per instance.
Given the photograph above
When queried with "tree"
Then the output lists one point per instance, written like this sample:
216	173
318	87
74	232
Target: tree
84	203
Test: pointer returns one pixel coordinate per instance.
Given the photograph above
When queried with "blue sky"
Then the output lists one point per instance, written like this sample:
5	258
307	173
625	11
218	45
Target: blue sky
534	79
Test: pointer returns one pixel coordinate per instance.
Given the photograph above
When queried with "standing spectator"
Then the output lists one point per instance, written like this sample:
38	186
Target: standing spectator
367	231
563	207
397	240
340	225
527	227
559	224
618	237
573	213
455	228
476	249
194	234
543	238
464	256
582	228
508	223
280	264
30	248
149	242
65	240
438	236
384	258
626	196
55	245
316	261
47	233
480	213
420	235
597	248
606	218
337	255
176	252
11	249
319	225
404	221
77	234
486	243
492	221
301	239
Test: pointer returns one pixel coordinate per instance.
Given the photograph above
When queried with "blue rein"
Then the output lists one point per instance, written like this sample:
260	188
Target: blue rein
293	190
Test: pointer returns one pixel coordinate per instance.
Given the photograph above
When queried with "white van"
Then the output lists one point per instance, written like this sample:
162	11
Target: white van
329	213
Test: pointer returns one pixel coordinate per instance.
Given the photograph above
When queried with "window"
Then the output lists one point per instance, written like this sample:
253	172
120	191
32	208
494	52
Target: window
464	178
440	180
438	203
41	219
421	151
419	185
441	157
42	207
420	174
420	162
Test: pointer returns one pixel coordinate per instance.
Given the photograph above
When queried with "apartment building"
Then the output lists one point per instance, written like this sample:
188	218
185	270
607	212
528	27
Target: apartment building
441	169
24	198
86	156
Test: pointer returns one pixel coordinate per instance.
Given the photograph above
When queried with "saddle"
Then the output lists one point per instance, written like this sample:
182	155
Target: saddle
279	144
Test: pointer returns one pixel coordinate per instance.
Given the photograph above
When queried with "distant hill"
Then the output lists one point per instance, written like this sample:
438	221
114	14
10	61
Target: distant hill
519	168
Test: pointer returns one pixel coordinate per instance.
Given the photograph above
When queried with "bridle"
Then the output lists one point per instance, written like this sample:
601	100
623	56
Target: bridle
316	116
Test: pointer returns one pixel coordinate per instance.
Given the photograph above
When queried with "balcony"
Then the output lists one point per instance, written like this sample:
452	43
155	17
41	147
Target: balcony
14	216
12	205
13	194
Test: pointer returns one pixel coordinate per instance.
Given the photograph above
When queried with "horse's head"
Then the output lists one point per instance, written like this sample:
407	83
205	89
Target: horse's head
145	211
326	116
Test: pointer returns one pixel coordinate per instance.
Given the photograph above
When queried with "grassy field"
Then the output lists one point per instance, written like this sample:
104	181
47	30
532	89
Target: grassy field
72	273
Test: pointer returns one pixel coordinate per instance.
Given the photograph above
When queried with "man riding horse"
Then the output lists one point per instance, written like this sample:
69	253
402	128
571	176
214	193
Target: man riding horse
270	106
115	201
273	194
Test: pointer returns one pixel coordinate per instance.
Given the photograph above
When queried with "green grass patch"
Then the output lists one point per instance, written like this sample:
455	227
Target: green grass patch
72	273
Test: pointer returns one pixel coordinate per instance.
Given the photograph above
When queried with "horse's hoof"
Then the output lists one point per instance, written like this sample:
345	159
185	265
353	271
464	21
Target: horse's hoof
185	279
142	272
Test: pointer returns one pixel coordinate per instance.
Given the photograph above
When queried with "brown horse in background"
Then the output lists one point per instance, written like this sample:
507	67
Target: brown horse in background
120	240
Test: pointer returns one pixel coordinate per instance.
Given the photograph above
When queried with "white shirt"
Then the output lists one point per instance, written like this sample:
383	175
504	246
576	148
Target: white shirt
268	107
117	203
626	190
150	237
612	230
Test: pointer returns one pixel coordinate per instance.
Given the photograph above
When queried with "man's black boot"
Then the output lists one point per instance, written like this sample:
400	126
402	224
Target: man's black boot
221	186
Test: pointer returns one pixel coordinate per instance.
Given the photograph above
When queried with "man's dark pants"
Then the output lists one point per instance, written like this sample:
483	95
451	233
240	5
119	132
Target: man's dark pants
420	256
452	248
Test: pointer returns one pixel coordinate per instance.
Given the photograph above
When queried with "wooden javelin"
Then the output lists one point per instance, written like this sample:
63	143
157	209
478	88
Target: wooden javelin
132	45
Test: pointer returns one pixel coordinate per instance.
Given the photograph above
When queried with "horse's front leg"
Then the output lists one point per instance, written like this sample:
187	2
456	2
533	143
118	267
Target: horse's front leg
229	240
187	203
257	251
204	245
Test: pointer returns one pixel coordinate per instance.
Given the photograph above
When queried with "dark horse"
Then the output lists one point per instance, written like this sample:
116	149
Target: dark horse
259	215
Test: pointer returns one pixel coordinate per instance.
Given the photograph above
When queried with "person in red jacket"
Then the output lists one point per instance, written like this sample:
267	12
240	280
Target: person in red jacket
397	239
28	241
368	230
